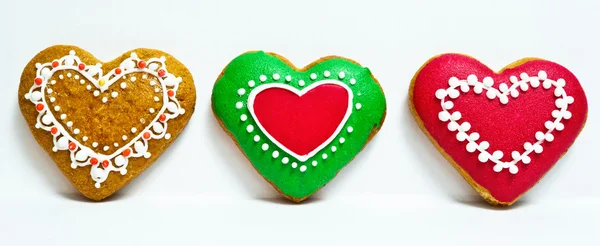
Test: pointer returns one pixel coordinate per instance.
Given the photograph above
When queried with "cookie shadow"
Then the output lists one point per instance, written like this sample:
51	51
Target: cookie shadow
439	172
230	154
478	202
284	201
78	197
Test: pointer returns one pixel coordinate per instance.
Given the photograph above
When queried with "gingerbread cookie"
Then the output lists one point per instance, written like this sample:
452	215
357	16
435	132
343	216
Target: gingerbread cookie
298	127
104	123
502	131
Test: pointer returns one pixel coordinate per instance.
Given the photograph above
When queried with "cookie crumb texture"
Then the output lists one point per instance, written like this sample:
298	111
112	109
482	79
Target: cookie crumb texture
502	131
298	127
105	123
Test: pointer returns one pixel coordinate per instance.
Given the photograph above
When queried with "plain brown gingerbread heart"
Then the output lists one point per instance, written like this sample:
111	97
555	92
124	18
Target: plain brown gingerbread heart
80	176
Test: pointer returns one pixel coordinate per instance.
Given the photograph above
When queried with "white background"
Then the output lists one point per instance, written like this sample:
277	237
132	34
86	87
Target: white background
203	191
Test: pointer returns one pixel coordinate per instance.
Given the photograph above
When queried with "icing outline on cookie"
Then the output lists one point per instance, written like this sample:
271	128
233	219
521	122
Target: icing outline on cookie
300	93
502	94
81	155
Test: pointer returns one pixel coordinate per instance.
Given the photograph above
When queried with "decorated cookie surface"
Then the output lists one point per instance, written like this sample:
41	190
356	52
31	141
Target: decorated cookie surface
298	127
502	131
104	123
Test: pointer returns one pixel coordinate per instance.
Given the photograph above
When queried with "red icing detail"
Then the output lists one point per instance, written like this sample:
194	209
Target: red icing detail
55	64
54	130
146	135
72	146
38	81
126	152
118	71
161	73
303	123
105	163
162	117
39	107
170	93
94	161
142	64
81	66
505	127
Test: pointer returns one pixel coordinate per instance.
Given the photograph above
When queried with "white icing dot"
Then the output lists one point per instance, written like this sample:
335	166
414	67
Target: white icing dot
76	76
453	82
526	159
570	99
151	110
104	99
558	91
471	147
61	76
547	84
47	119
350	129
152	83
464	88
514	93
251	83
444	116
62	143
555	113
313	76
483	157
567	115
549	137
303	168
503	99
265	146
527	146
474	136
440	94
503	87
145	76
36	96
513	169
534	82
106	148
453	126
167	136
63	116
82	81
472	79
560	103
123	85
239	105
333	149
243	117
241	91
263	78
561	82
114	94
133	130
484	145
94	144
256	138
96	93
549	125
456	116
497	154
57	108
326	74
465	126
516	155
275	154
478	89
116	145
124	137
513	79
301	82
250	128
560	126
491	94
294	165
524	86
341	75
53	82
352	81
542	75
358	106
285	160
314	163
69	75
453	93
156	99
85	138
497	168
324	156
288	78
538	148
49	90
276	76
342	140
539	136
157	89
88	87
52	99
448	105
76	131
133	79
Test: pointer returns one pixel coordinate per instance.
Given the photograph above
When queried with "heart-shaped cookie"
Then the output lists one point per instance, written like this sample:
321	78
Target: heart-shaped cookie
298	127
104	123
502	131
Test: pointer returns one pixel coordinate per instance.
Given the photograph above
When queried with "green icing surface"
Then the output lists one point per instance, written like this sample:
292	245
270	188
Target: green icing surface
291	181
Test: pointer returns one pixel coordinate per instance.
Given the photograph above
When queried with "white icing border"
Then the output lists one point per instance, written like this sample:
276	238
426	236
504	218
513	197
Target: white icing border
301	158
562	113
82	155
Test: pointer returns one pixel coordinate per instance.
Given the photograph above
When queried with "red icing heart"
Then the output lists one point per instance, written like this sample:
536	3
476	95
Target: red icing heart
301	122
506	127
